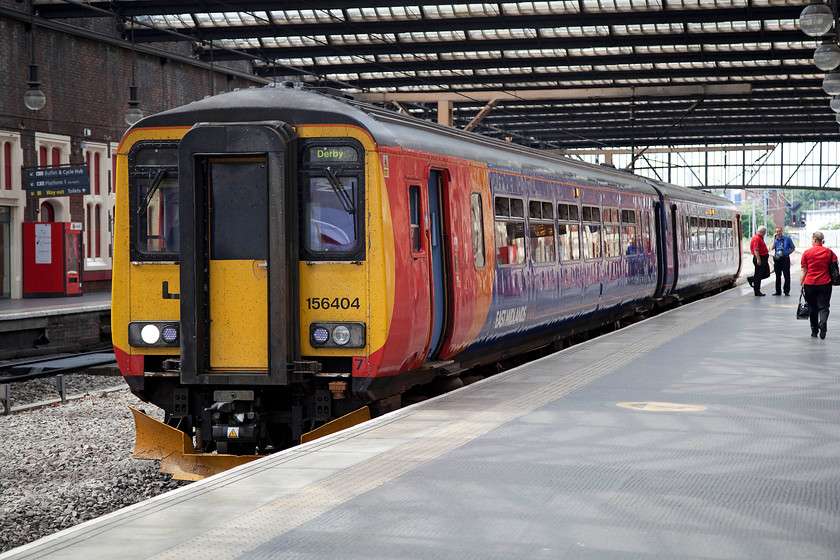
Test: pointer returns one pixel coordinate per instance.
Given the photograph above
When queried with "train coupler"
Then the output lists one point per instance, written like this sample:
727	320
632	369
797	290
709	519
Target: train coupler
233	421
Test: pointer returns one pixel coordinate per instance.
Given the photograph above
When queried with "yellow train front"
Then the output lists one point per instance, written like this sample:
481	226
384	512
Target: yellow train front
285	258
254	281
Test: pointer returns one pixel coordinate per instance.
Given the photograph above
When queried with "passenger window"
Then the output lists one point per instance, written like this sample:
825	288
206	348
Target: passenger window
630	232
477	216
710	234
154	181
612	238
414	217
541	232
568	229
695	233
510	230
591	232
701	233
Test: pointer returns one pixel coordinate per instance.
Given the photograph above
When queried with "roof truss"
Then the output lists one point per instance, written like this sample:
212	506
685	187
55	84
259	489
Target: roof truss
618	72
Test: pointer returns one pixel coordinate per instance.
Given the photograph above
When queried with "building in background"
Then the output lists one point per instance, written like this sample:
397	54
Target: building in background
85	72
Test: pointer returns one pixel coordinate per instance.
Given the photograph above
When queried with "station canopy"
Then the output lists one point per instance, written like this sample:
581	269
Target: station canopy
563	75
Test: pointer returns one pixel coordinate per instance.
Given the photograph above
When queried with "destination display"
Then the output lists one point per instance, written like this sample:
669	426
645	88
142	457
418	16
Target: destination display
57	181
331	154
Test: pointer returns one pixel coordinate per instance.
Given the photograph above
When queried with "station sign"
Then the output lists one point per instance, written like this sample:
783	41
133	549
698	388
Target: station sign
57	181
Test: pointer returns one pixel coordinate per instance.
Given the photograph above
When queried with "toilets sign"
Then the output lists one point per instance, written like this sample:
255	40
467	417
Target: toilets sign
57	181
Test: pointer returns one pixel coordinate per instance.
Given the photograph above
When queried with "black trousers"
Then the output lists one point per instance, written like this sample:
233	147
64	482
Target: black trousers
759	268
818	298
782	267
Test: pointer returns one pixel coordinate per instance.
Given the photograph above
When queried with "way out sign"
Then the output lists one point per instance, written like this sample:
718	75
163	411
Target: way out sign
57	181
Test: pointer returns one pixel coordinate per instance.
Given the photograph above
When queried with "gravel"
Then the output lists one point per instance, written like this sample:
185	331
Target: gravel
61	465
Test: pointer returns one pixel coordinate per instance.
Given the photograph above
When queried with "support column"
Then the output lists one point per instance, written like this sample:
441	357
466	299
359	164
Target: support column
445	112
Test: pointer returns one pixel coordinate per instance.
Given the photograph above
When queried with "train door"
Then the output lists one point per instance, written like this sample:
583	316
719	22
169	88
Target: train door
676	223
437	262
238	252
235	225
664	280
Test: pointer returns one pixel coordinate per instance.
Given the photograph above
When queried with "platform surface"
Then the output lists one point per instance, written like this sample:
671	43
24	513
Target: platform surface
26	308
710	431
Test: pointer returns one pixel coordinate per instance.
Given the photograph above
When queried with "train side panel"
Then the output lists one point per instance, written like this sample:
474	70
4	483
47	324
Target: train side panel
541	295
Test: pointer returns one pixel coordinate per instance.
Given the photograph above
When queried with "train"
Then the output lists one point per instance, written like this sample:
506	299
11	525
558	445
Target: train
285	257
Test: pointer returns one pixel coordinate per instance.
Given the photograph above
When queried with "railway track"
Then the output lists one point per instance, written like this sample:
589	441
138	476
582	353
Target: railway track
54	379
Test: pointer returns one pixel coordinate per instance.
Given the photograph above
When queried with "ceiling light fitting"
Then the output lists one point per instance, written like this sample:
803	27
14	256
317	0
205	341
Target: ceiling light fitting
827	56
816	19
133	113
831	83
34	98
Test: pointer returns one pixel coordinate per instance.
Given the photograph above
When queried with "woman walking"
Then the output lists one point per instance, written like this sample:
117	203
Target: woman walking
816	282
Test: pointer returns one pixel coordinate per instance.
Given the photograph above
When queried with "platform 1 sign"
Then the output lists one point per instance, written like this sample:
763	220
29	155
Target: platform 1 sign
57	181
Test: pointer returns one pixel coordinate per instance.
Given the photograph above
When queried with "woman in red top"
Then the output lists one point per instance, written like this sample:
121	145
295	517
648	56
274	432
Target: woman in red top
816	282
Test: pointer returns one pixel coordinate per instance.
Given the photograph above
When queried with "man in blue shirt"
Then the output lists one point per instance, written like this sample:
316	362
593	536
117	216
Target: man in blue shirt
782	249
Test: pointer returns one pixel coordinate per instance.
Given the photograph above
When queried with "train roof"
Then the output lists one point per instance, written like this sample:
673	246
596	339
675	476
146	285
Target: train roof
296	106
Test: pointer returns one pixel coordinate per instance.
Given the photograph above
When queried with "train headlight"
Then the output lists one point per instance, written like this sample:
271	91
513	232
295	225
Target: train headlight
150	334
337	335
341	335
154	333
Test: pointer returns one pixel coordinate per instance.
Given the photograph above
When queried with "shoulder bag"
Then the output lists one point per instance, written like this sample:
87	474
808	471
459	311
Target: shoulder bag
802	311
834	271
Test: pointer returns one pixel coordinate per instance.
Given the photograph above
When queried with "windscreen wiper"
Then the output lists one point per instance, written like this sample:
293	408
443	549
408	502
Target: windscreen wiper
339	190
153	188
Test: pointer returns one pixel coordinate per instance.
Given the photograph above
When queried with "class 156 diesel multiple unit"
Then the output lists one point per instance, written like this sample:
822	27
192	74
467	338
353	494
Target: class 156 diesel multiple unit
283	258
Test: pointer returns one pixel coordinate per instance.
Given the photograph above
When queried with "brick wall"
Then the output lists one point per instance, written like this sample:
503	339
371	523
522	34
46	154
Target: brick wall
86	82
21	338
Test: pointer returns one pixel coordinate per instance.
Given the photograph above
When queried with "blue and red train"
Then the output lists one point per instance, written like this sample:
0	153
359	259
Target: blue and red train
284	257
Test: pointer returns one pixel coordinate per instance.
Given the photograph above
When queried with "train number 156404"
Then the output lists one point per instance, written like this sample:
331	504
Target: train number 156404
334	303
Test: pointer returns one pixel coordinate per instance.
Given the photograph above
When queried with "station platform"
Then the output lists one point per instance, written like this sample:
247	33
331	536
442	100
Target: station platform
40	326
11	309
710	431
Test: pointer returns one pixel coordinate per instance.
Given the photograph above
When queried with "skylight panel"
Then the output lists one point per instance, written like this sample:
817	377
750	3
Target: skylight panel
507	71
292	17
536	8
450	11
497	34
242	44
361	39
424	37
406	57
295	41
177	21
299	61
471	55
574	32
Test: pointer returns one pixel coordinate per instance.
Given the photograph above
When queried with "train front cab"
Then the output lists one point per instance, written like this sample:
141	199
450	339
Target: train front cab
215	269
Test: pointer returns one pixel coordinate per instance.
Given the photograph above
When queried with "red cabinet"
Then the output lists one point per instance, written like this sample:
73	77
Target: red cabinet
52	259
